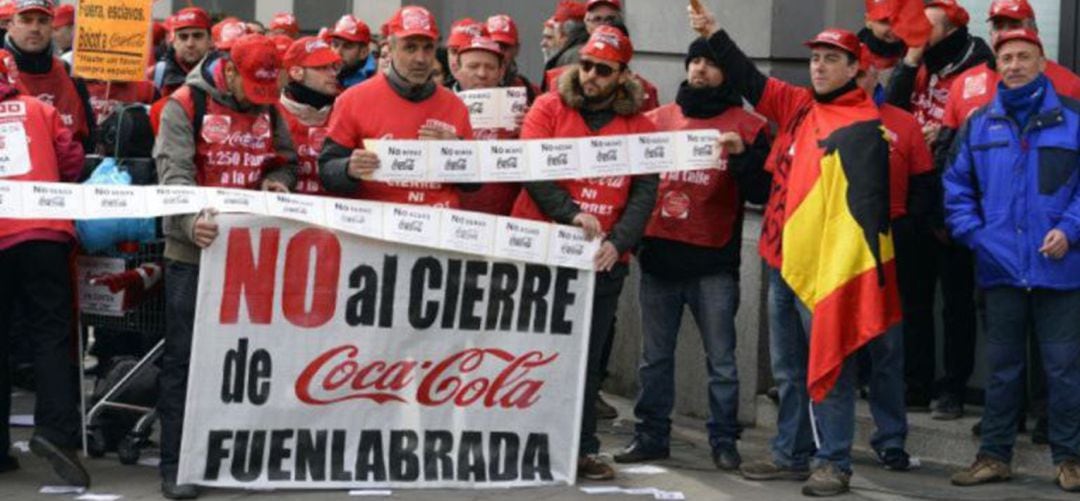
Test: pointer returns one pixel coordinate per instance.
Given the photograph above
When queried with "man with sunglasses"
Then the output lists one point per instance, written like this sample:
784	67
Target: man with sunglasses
189	42
598	97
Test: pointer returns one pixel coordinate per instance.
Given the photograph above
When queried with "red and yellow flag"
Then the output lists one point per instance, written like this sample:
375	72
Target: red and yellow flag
838	254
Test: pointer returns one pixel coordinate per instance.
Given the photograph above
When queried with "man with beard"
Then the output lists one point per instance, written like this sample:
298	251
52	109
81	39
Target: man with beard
351	39
44	75
306	102
598	97
690	257
404	103
190	42
885	47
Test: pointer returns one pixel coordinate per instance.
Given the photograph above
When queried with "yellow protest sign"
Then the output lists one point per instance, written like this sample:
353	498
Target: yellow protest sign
112	39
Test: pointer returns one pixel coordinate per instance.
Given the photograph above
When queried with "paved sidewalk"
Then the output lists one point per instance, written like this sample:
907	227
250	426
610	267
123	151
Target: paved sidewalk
689	471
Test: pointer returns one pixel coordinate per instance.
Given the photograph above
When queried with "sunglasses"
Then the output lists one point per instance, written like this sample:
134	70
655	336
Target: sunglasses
601	70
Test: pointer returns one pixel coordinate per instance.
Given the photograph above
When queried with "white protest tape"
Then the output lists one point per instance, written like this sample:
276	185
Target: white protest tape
546	159
446	229
499	108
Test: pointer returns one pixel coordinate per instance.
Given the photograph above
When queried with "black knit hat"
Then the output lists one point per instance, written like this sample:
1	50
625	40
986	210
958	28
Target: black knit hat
700	48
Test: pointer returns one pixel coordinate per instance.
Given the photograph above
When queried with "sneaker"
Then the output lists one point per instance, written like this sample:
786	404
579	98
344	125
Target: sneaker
172	490
827	480
637	452
604	410
726	457
1041	434
1068	475
895	459
948	408
984	470
768	470
593	468
64	461
8	463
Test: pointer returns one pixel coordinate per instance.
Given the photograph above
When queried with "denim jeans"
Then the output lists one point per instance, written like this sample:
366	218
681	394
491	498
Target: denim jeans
789	351
1056	319
605	301
713	301
181	287
887	394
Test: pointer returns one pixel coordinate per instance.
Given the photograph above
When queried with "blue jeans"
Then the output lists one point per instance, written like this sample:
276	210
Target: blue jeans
181	289
713	301
1055	316
789	351
887	390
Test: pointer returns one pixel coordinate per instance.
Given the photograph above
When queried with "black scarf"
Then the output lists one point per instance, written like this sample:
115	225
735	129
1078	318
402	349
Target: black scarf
408	90
832	96
706	102
306	95
948	51
880	47
37	63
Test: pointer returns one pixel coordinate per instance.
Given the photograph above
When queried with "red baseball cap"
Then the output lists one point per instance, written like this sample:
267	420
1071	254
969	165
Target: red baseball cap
285	21
63	15
189	17
227	32
351	29
44	6
411	21
879	10
957	15
482	43
7	9
615	4
259	64
282	42
503	29
610	44
1012	9
463	31
310	52
1024	34
159	31
837	38
569	10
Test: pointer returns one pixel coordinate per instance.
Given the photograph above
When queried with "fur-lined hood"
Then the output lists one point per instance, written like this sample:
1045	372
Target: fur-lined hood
629	99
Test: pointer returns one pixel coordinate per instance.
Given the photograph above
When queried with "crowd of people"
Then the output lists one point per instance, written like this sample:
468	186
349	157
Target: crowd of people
964	174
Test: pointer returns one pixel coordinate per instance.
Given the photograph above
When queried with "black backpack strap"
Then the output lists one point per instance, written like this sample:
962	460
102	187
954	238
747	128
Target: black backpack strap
198	99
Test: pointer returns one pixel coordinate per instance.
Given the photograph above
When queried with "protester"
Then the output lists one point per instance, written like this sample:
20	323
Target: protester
34	268
236	91
834	111
547	38
404	102
189	35
43	75
7	14
503	30
602	13
351	39
306	103
462	32
284	23
1014	200
652	95
921	84
63	24
690	257
598	97
570	37
226	32
886	49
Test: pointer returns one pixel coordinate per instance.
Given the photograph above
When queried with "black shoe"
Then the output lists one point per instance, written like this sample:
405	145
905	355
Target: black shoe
949	408
1041	434
636	452
171	490
895	459
8	463
774	394
726	457
64	462
604	410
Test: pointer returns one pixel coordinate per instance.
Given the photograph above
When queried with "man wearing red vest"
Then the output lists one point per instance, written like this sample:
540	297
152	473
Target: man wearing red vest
481	65
34	271
402	103
690	258
284	23
189	36
239	141
43	74
306	103
597	97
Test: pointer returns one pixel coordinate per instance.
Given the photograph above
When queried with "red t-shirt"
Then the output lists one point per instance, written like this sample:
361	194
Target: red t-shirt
373	110
977	86
908	155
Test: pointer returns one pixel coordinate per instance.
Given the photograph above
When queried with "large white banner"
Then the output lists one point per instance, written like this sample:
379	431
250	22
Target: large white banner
327	360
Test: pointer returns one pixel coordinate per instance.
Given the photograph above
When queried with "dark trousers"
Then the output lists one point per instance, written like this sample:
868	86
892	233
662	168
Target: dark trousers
181	285
605	301
921	262
36	276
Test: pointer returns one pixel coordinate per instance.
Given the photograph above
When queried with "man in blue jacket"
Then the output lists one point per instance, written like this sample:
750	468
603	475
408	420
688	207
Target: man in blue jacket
1012	194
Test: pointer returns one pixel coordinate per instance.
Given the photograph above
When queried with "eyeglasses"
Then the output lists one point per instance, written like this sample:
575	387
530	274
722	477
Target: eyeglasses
602	70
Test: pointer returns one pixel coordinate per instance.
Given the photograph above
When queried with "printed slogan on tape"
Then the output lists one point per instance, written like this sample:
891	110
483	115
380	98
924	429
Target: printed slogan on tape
325	360
112	40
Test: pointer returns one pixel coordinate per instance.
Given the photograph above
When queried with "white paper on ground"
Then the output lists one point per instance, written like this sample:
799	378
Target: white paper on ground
669	495
98	497
23	420
645	469
151	462
22	446
371	493
641	491
602	489
61	489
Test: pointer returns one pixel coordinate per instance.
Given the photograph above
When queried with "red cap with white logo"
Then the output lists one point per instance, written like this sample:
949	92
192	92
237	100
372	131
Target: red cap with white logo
410	21
189	17
1024	34
614	4
227	32
1018	10
836	38
351	29
285	22
503	29
43	6
310	52
463	31
610	44
259	64
482	43
63	15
